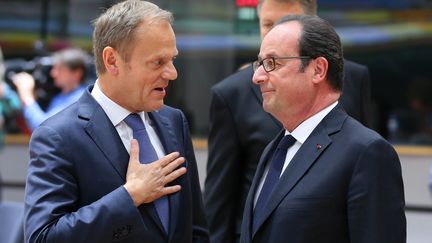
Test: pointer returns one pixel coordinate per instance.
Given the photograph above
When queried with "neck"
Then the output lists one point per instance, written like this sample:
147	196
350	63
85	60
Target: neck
69	88
292	120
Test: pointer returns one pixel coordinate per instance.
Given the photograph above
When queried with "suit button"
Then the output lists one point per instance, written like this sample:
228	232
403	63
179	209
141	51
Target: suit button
124	231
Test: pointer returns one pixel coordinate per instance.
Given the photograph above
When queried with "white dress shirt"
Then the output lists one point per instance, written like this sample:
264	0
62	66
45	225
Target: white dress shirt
300	133
117	114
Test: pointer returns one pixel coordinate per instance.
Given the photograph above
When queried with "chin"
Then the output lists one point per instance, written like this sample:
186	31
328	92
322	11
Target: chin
267	106
156	106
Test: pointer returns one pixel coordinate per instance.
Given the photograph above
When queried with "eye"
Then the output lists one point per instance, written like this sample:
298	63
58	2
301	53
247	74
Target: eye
269	63
158	62
267	25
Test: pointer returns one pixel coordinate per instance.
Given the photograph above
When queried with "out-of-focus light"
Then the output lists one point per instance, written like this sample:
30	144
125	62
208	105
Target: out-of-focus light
246	3
246	13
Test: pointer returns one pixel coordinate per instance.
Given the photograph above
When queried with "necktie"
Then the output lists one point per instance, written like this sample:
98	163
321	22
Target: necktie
275	168
147	154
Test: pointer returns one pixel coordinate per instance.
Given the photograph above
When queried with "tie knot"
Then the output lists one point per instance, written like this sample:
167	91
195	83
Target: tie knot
286	142
135	122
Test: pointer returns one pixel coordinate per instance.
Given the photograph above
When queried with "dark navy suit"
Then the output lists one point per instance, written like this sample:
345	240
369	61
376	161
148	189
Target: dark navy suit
343	185
77	167
239	131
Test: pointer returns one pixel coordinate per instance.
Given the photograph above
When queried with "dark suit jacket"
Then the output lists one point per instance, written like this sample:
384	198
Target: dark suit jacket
348	189
239	131
77	170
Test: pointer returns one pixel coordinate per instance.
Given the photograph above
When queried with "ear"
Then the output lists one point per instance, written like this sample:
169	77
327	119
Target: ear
111	60
320	69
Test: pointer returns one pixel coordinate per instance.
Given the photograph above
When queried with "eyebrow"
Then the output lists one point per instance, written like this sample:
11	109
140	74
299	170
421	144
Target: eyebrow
271	54
165	55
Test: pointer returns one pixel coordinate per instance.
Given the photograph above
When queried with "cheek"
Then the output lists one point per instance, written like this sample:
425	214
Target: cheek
145	87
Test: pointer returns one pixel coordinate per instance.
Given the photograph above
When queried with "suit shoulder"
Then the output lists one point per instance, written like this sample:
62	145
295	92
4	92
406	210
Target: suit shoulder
361	134
354	66
166	109
171	113
237	81
62	119
59	127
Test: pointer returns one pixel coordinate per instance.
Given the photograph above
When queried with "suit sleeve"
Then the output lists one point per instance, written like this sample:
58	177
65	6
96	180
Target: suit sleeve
223	167
52	213
200	231
376	197
366	98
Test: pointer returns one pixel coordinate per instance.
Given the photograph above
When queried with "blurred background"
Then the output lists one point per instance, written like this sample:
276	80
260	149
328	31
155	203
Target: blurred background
215	37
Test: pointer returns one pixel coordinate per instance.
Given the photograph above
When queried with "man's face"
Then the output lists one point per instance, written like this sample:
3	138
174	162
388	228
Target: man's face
64	77
287	89
143	79
271	11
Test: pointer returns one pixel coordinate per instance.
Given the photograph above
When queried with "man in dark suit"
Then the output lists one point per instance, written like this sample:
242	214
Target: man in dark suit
236	113
325	178
82	183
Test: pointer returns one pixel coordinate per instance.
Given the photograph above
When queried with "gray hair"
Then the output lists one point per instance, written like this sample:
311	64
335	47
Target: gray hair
309	6
116	27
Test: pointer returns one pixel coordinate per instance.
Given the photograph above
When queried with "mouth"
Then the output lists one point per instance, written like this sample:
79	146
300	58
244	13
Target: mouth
266	91
160	91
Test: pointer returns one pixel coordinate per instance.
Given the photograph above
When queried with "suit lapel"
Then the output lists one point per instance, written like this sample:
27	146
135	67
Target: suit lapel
105	136
103	133
169	142
304	159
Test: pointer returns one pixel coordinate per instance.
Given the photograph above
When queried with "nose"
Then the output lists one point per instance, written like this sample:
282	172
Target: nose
170	72
259	76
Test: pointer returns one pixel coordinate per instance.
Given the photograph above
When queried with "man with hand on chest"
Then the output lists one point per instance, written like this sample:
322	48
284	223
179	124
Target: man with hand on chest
118	165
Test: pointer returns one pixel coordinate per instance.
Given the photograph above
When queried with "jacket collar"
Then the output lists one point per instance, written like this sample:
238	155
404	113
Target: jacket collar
305	157
105	136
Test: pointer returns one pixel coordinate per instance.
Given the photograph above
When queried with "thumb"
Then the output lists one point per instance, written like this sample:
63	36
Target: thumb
134	151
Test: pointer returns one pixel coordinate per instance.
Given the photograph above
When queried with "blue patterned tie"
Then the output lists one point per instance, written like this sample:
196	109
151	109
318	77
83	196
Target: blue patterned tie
147	154
275	168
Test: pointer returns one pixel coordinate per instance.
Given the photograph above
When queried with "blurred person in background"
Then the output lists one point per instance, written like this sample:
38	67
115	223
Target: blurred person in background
9	107
69	73
9	103
236	112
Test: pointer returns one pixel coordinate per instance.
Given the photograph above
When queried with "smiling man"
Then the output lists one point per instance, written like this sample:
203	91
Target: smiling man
325	178
118	165
236	112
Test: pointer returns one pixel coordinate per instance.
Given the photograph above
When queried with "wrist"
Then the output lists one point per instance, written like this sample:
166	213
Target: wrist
132	194
27	101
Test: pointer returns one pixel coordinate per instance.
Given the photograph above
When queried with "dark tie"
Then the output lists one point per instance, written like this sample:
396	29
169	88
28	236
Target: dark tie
147	154
274	171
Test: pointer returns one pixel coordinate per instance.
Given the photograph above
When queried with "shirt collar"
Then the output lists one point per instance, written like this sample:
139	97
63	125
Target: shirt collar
302	131
114	111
